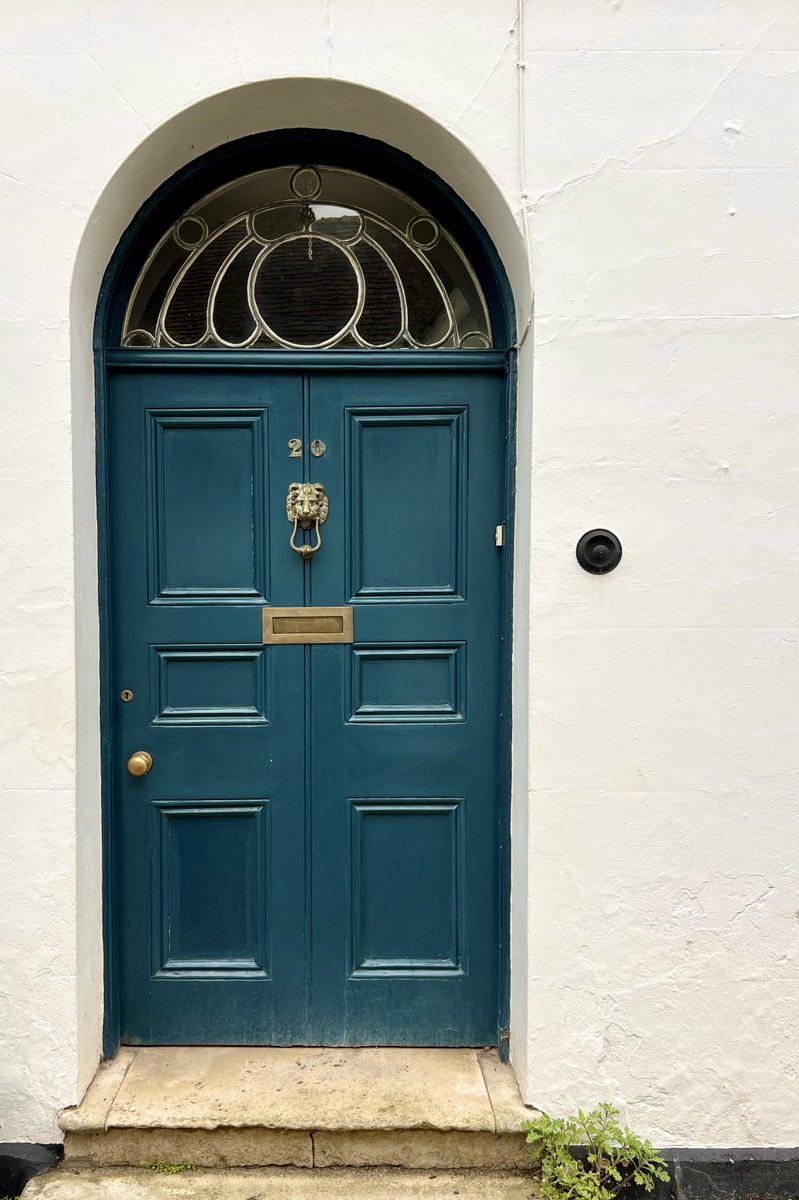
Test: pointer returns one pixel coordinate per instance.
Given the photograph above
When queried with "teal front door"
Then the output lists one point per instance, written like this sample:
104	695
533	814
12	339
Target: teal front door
313	856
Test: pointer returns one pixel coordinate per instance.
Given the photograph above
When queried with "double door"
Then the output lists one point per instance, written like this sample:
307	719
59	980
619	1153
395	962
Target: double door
312	855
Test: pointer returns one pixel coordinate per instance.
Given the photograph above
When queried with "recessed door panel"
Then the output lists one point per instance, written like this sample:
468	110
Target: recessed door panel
408	683
408	502
209	685
209	497
405	886
211	887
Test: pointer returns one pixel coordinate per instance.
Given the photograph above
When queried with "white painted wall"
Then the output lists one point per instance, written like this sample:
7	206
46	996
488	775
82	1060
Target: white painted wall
655	879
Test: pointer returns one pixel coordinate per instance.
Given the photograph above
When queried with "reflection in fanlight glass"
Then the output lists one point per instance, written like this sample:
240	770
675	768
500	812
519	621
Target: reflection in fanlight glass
305	257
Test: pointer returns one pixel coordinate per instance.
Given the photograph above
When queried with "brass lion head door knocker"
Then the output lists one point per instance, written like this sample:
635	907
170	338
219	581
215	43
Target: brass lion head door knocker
306	507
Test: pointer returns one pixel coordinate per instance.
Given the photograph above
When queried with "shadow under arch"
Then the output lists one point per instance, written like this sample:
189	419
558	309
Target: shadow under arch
219	128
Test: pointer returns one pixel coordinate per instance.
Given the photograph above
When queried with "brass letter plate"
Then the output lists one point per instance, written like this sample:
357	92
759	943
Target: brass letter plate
307	626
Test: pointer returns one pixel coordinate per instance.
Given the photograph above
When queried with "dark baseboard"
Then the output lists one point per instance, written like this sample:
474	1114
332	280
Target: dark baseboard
756	1173
761	1173
752	1174
20	1161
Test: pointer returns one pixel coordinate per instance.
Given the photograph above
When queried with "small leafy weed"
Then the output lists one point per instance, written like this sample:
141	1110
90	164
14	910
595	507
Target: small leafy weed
614	1157
166	1168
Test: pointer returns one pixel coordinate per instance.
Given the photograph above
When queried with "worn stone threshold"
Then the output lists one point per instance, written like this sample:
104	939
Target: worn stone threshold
214	1087
279	1184
254	1106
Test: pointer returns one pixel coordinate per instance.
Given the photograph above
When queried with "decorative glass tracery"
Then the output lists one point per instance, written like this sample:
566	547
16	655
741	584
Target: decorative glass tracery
307	257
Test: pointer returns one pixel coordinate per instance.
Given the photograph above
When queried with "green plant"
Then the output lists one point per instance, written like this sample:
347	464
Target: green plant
614	1158
165	1168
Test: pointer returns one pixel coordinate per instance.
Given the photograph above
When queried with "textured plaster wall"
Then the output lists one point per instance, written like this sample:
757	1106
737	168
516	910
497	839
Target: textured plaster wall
663	806
655	890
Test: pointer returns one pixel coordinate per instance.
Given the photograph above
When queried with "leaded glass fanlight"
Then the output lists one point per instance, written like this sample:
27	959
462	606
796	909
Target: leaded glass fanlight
304	257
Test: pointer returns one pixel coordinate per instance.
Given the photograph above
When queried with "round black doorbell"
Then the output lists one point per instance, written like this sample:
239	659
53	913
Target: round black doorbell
599	551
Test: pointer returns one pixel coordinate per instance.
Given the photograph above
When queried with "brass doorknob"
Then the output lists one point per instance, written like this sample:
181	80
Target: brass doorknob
140	762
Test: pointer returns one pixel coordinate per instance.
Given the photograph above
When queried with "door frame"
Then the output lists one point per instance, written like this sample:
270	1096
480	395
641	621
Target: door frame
166	205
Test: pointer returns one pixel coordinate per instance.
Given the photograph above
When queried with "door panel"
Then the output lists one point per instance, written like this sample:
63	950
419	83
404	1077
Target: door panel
195	685
405	762
313	858
414	852
211	843
407	683
209	494
221	926
407	476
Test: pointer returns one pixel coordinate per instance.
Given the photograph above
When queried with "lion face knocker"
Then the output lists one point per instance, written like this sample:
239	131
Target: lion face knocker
306	508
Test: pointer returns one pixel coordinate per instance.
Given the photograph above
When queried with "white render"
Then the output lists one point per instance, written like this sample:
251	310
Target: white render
641	156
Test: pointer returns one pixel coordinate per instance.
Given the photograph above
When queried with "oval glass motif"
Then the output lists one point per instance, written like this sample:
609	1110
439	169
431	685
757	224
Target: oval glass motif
190	232
474	341
424	232
269	224
147	300
232	323
138	338
337	223
429	319
185	317
306	291
306	183
381	321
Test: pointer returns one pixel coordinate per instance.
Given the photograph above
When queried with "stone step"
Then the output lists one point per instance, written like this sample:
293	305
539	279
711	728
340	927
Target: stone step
431	1149
278	1184
332	1108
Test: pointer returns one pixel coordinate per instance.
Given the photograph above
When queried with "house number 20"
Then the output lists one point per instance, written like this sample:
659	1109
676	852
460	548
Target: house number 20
295	448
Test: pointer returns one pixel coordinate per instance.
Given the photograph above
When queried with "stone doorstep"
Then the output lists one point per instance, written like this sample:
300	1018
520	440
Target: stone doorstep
286	1184
418	1148
262	1106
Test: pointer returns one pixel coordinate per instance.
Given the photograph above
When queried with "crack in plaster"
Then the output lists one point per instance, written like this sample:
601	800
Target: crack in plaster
235	45
626	162
509	43
588	323
121	94
329	35
70	208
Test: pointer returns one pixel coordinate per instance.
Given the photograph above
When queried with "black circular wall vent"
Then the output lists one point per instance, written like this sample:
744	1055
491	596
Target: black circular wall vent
599	551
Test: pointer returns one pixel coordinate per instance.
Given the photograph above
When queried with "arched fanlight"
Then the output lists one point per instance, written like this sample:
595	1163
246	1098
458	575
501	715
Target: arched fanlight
307	257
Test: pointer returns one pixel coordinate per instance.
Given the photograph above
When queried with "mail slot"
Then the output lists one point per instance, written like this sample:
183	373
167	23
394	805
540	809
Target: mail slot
307	626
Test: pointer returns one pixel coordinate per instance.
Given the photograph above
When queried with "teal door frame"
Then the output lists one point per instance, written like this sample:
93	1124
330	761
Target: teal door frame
158	213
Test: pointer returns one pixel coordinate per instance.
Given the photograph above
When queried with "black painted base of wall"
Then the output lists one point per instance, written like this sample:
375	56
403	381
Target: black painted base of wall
20	1161
761	1173
752	1174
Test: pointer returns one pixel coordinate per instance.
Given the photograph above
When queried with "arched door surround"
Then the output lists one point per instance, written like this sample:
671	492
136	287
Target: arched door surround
305	408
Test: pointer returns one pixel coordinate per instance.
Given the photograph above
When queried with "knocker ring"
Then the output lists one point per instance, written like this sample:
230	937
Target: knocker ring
306	507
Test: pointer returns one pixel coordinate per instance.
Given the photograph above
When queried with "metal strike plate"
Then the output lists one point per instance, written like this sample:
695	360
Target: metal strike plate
307	626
